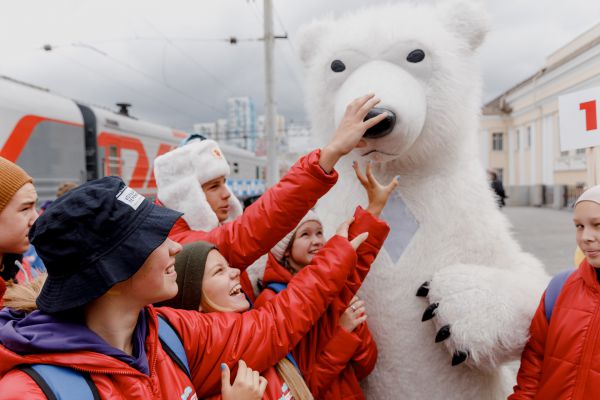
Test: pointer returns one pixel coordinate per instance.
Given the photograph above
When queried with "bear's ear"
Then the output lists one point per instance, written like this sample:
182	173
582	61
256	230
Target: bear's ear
310	36
468	19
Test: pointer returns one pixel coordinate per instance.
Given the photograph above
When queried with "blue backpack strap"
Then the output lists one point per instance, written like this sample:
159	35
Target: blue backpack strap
62	383
553	290
172	345
278	287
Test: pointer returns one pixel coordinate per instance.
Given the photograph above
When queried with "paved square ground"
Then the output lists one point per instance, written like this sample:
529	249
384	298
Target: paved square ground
547	233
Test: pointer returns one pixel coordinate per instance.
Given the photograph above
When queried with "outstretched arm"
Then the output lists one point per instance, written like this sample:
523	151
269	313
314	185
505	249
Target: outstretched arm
281	208
262	337
271	217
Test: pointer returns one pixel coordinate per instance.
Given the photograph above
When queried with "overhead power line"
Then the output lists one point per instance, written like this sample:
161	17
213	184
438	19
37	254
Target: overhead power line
142	73
189	57
121	84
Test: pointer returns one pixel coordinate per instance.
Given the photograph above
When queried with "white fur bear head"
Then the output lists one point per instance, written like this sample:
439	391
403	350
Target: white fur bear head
418	59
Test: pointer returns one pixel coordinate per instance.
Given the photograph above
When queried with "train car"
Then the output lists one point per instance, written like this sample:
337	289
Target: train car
56	139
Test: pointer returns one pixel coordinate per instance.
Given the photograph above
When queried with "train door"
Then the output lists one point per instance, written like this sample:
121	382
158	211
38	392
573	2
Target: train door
92	156
127	148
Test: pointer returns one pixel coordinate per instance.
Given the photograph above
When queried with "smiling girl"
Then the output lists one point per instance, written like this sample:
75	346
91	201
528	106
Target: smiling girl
331	363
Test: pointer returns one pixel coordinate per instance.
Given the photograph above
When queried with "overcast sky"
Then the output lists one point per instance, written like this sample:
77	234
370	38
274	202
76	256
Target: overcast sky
170	58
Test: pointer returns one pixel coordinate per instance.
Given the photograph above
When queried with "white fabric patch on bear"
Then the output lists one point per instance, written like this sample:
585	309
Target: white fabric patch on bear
403	226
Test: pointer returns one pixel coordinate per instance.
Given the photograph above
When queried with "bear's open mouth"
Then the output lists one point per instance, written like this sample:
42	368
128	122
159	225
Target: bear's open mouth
378	151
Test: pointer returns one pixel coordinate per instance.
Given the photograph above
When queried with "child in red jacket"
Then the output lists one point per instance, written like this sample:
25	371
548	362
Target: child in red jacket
332	363
561	359
17	213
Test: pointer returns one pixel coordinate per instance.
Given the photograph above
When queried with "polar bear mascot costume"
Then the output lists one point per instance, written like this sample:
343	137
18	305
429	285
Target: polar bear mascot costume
451	296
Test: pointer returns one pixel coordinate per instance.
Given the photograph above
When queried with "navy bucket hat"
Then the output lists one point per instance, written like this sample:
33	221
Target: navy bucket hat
93	237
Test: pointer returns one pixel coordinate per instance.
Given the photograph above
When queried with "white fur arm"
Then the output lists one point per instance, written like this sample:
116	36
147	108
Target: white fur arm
482	314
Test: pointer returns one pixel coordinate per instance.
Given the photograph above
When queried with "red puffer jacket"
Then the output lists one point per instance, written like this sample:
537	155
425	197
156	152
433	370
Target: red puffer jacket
562	358
333	360
260	337
270	218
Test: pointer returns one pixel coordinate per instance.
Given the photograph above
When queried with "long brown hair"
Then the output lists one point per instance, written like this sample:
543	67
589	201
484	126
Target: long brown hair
288	250
22	296
294	380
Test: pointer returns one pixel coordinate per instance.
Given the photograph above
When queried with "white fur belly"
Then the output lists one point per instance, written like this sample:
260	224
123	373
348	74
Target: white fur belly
410	364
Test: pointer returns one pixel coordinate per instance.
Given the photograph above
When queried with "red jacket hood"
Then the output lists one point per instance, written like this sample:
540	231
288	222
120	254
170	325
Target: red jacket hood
275	272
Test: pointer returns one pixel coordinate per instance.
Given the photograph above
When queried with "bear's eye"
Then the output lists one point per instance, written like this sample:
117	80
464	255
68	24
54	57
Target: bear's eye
416	56
337	66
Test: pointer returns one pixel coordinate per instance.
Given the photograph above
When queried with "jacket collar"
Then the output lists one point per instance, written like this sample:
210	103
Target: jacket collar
88	361
588	273
275	272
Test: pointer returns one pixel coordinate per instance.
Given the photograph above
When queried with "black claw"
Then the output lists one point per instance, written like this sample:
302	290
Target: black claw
459	357
423	290
429	312
443	334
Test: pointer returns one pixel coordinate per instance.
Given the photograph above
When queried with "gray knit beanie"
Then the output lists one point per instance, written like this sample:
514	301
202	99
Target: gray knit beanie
189	264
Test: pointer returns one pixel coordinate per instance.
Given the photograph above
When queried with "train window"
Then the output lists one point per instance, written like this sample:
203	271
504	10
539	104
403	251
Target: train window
112	122
236	168
55	153
112	165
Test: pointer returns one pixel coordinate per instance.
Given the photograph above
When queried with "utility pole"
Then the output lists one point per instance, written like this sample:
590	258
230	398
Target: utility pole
269	39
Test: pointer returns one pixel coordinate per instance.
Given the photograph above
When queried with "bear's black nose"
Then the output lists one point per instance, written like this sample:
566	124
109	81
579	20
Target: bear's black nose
384	127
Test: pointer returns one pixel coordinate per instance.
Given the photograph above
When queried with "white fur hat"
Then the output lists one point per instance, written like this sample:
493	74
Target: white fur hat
280	247
180	174
592	194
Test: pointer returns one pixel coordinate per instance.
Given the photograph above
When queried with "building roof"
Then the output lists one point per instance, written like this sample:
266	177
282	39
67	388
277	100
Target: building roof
579	45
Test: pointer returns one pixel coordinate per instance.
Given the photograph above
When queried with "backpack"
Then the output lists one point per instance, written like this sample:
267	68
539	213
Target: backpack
553	291
278	287
64	383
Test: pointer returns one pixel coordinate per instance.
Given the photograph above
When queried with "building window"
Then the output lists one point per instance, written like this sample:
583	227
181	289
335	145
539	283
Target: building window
518	140
528	137
564	153
580	151
497	141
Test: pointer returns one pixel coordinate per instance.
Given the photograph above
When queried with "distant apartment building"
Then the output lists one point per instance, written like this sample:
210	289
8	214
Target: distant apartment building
300	138
280	135
241	123
207	129
221	129
519	130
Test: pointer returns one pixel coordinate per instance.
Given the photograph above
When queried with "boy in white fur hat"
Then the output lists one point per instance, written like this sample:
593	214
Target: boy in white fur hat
191	179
